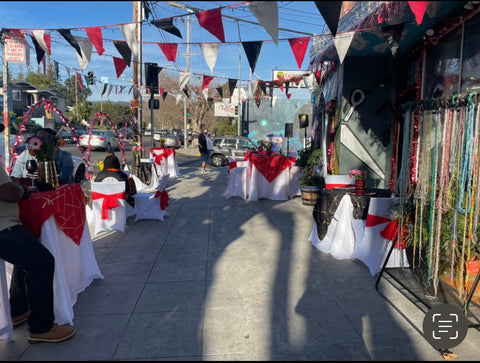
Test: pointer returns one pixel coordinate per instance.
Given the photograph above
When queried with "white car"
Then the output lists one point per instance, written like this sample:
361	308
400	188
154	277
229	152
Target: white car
105	140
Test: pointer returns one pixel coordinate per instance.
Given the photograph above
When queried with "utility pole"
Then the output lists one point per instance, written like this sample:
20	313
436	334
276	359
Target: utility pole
76	96
137	67
6	117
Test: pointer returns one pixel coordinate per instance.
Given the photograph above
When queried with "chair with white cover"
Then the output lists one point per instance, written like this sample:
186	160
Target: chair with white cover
373	248
109	206
5	318
238	179
153	205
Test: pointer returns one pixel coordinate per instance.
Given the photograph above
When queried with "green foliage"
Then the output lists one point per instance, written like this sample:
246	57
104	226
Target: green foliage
225	127
307	160
118	113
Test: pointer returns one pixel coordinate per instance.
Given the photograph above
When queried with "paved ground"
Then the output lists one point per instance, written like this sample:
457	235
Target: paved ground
234	280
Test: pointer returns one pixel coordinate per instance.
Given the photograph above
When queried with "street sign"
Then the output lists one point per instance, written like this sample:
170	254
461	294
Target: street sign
14	49
134	104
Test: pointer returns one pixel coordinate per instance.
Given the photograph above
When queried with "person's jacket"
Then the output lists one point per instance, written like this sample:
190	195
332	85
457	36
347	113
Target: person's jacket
65	166
202	143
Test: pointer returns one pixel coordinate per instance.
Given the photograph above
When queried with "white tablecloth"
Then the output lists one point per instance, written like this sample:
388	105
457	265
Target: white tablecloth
278	189
167	165
75	268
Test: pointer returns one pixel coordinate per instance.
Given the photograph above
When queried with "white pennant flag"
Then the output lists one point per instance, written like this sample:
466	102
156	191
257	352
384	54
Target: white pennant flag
274	100
128	31
253	87
110	90
178	97
210	52
86	47
27	58
266	13
205	94
184	78
342	43
38	34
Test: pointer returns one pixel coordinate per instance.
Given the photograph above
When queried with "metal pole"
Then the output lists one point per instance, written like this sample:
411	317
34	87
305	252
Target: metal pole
239	129
76	96
6	116
150	104
185	133
139	69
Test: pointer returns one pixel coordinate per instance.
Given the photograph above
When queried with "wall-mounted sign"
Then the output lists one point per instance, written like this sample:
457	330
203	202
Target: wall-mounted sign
301	79
225	108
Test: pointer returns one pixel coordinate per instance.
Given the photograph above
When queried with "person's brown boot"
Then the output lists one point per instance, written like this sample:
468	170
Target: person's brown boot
17	320
58	333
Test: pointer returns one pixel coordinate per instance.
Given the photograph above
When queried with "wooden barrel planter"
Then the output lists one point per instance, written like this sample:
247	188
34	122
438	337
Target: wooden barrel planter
309	194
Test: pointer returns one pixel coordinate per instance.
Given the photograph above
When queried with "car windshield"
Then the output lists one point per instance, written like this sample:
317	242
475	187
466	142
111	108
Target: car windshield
98	133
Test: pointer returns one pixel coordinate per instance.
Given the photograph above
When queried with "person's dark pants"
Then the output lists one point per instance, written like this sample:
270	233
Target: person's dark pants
31	286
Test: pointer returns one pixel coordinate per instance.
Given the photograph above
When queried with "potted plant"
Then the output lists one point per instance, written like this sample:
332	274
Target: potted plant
311	182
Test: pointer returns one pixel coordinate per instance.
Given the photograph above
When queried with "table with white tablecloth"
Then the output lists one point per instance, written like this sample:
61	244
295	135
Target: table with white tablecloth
57	218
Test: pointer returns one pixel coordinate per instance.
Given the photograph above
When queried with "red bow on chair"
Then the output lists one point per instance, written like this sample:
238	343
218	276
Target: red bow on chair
158	158
231	165
163	199
110	201
390	231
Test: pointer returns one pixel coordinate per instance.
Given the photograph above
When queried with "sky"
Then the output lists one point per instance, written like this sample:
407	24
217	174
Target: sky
296	19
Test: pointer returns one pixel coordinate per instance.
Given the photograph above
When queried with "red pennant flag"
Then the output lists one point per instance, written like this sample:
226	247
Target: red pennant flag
206	81
48	41
19	34
418	8
161	90
79	78
170	50
44	66
95	35
289	95
299	47
211	20
120	65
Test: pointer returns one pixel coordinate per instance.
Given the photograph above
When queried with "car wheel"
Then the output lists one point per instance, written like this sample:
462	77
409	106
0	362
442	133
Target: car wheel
218	160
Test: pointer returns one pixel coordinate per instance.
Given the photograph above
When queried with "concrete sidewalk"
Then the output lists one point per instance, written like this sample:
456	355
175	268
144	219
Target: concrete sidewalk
228	279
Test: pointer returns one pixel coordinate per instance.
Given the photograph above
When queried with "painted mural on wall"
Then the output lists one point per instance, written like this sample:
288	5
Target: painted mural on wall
268	120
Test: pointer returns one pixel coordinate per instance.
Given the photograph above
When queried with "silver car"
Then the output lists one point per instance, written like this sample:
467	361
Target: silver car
105	140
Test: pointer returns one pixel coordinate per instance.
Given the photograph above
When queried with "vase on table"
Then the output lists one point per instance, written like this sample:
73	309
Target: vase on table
162	146
136	158
359	185
47	173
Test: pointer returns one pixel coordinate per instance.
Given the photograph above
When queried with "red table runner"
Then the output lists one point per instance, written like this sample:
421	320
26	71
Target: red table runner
66	204
270	166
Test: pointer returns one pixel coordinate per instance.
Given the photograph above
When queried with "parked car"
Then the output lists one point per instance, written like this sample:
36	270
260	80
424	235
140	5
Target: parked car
171	140
227	145
101	140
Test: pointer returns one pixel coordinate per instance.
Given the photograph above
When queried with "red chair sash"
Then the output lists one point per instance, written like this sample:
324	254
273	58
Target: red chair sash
110	201
163	199
231	165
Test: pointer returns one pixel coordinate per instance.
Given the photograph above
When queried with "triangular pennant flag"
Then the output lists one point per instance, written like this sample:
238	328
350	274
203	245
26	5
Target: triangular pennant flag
79	78
330	11
266	13
120	65
128	31
170	50
210	53
287	86
164	95
211	20
263	87
318	76
27	58
418	8
254	86
289	95
86	45
38	50
184	77
205	93
70	39
55	67
161	90
206	81
39	37
393	34
95	35
299	47
44	66
167	25
121	89
124	51
19	33
48	41
130	89
185	90
274	100
220	91
252	50
178	97
231	85
110	90
146	9
342	43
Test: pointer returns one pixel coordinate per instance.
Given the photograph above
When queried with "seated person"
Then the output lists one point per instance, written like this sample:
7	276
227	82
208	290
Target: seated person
111	173
19	169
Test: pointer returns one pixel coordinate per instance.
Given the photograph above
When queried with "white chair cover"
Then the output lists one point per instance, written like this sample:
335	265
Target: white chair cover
146	188
147	206
295	175
373	248
168	165
5	319
238	182
117	217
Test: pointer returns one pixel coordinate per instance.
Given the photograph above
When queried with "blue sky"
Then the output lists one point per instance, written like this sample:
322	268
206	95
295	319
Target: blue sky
299	18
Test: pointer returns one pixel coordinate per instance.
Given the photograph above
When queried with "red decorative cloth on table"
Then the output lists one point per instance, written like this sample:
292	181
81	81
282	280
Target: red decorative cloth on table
66	204
390	231
164	154
163	199
110	201
270	166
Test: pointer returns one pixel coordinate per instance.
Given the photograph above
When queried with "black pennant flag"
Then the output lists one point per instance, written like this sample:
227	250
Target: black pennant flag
167	25
124	51
231	85
71	40
330	11
252	50
38	50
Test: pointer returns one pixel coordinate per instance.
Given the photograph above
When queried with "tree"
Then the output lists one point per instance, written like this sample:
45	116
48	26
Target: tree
118	113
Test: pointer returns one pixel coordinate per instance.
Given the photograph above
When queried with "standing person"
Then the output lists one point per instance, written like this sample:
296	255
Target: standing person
203	147
31	286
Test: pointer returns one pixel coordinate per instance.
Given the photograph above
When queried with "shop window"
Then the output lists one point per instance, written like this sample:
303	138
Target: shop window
471	55
16	95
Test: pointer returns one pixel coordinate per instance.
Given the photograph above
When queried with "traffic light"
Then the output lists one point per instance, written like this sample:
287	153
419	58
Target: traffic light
91	79
151	76
236	110
188	112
